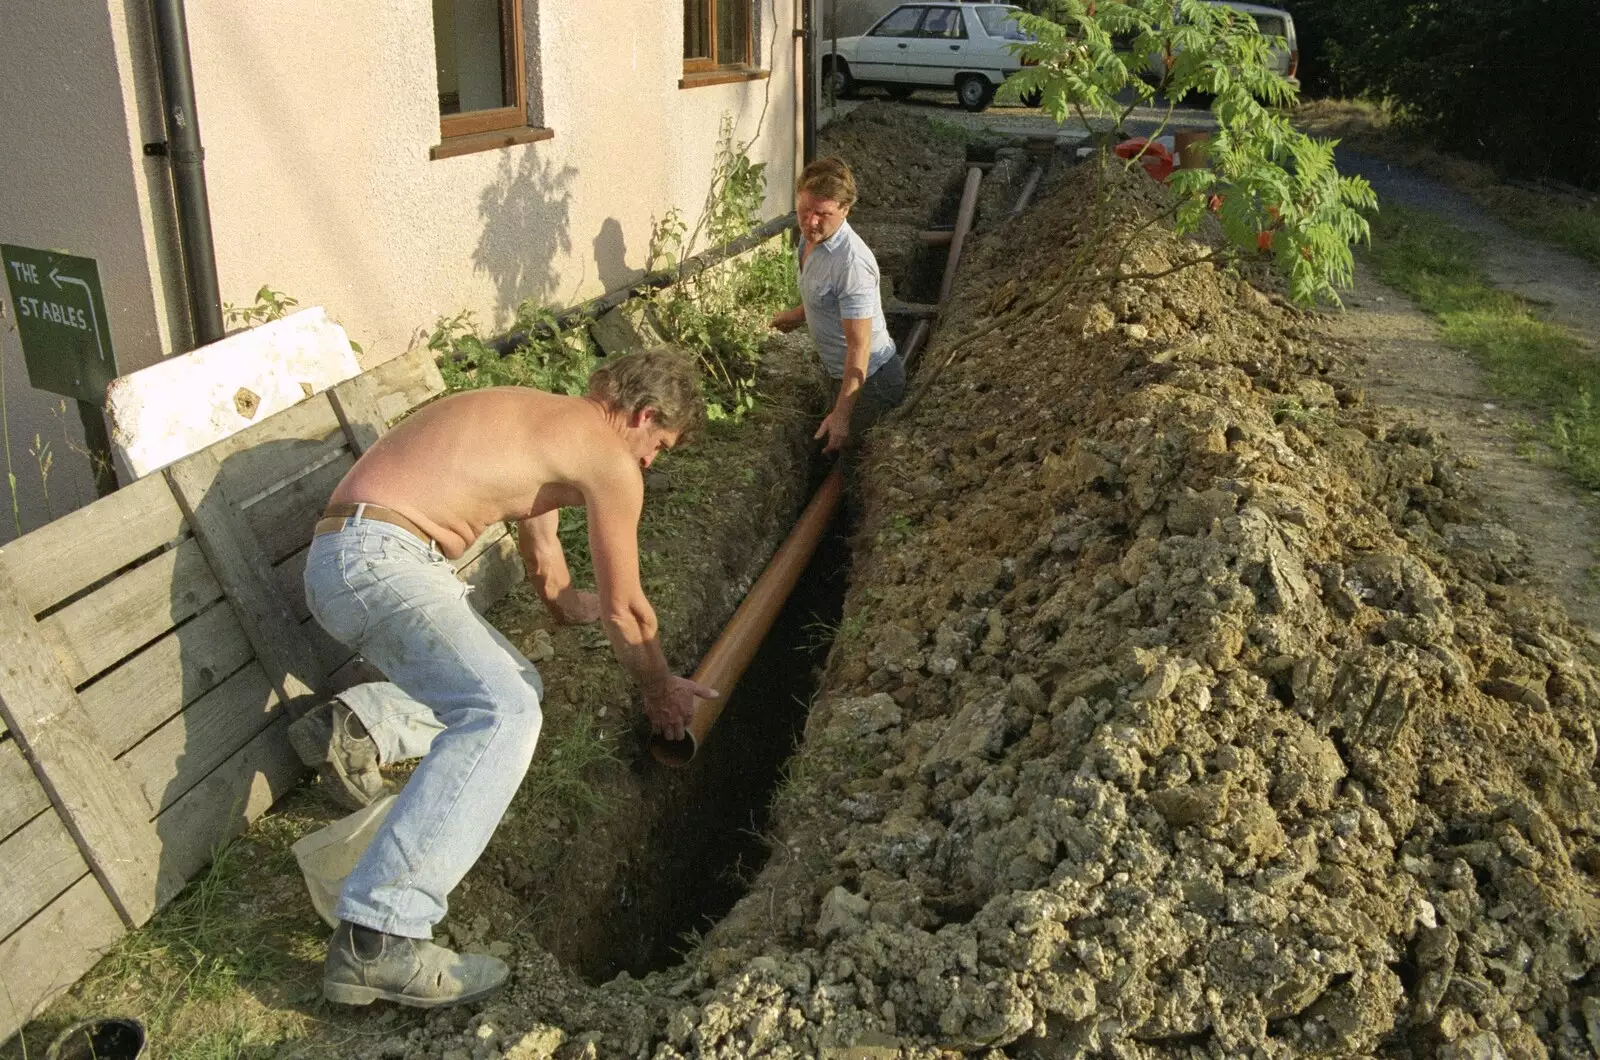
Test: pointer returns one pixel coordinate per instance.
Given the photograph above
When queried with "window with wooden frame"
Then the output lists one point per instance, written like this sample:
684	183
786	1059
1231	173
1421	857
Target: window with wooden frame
483	90
719	41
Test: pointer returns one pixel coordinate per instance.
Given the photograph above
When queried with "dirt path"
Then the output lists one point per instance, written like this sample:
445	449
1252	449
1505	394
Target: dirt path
1564	285
1408	367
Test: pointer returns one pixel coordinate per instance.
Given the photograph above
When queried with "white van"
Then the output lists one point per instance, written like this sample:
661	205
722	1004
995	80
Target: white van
1272	22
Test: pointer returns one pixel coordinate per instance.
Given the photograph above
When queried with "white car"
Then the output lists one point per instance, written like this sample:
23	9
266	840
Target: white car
964	46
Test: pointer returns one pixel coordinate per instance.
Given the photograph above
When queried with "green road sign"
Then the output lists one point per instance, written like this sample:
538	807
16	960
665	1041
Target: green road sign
61	318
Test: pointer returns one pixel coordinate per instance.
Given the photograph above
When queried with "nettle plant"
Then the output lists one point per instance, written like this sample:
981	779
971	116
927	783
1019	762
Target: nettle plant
1271	187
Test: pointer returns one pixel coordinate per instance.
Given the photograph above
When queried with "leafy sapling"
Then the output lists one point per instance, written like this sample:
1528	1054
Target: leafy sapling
1270	186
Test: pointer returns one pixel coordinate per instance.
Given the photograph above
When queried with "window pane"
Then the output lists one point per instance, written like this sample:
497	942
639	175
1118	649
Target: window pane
1270	26
944	22
999	22
733	32
697	29
901	22
470	48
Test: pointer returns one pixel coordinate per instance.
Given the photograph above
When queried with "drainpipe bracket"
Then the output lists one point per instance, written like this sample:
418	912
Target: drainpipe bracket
156	150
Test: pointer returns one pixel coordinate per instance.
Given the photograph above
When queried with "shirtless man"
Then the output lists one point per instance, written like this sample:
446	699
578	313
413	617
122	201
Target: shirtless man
378	578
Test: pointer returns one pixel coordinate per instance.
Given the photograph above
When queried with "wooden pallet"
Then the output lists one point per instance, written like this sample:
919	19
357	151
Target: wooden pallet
153	640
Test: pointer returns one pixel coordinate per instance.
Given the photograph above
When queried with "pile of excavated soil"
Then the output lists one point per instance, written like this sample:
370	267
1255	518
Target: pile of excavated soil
901	162
1184	706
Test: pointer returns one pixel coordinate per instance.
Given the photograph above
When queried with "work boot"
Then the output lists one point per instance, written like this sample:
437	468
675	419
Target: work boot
366	966
332	740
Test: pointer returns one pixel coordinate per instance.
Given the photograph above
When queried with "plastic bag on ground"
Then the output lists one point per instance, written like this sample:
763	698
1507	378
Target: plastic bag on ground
328	855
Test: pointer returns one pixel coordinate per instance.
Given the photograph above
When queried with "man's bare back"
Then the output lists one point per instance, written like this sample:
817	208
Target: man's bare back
485	456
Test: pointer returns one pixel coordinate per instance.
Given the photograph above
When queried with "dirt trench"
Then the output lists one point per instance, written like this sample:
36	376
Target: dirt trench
1184	704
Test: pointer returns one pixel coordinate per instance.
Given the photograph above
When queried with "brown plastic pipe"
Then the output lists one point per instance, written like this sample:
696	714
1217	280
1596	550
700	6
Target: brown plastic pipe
969	206
914	341
728	658
1029	186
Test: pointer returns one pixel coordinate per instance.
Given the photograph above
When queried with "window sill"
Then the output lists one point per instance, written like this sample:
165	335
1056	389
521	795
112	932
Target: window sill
452	146
721	77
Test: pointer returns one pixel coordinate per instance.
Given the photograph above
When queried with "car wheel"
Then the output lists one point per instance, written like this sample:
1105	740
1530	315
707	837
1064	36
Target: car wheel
837	73
974	92
900	92
1032	99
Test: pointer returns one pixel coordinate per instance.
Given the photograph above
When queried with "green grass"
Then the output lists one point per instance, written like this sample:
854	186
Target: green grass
559	778
218	973
1573	229
1524	357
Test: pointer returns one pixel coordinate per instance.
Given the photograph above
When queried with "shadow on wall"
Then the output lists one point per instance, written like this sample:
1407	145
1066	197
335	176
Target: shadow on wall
525	215
611	257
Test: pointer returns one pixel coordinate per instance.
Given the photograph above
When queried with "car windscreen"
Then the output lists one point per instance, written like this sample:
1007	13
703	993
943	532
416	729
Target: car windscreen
1271	25
1001	21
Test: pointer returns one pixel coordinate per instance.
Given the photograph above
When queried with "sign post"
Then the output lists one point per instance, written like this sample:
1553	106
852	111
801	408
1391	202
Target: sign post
66	338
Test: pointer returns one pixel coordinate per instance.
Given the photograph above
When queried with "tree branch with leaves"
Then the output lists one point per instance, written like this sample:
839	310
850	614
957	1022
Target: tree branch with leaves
1271	187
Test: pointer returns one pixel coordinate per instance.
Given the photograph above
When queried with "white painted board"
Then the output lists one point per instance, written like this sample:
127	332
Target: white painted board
183	404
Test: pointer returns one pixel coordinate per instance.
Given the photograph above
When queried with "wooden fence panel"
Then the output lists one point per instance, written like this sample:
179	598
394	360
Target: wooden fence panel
492	567
92	796
283	522
357	404
21	797
178	755
77	550
278	448
48	954
151	640
405	382
236	557
37	863
290	575
131	701
223	804
117	619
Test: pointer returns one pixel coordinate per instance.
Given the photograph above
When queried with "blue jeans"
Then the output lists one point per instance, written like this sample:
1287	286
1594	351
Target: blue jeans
459	695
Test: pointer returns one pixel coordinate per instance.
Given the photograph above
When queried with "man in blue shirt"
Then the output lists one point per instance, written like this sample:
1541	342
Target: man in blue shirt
840	302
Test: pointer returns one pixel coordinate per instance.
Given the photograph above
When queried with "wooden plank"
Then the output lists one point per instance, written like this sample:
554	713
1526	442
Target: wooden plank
122	616
491	536
93	797
75	551
178	755
330	652
48	953
237	559
406	382
278	448
284	521
222	804
36	864
355	402
128	703
492	571
290	574
21	797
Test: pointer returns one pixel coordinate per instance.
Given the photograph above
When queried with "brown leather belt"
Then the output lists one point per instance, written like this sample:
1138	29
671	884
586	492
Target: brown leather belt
337	516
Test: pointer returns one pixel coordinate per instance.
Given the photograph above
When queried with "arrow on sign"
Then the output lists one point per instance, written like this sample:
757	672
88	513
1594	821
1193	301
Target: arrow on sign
57	279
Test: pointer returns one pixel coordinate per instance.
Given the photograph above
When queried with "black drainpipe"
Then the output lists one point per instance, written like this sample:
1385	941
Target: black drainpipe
188	163
808	84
